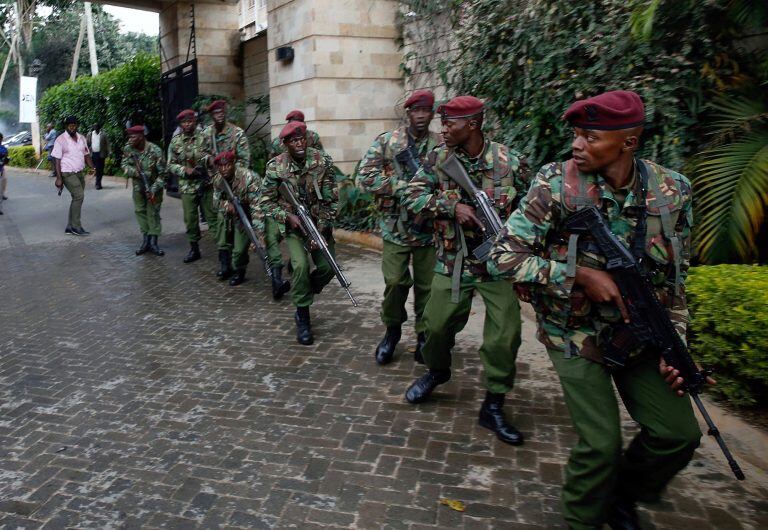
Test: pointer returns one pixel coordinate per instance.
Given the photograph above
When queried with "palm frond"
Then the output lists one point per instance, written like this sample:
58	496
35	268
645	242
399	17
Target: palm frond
731	184
733	113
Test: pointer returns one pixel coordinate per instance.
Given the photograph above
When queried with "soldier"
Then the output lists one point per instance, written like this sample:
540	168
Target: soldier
458	275
388	165
147	202
233	237
309	172
313	139
576	301
185	161
218	137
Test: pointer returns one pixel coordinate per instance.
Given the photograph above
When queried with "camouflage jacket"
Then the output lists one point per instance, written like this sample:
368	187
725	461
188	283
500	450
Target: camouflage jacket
384	173
151	161
231	138
278	147
532	250
314	184
501	172
186	151
245	186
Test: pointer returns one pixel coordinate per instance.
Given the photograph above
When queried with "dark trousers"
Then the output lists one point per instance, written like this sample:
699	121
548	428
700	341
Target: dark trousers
98	163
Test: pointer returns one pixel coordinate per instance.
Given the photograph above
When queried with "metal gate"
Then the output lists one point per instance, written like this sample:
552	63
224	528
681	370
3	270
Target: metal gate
178	91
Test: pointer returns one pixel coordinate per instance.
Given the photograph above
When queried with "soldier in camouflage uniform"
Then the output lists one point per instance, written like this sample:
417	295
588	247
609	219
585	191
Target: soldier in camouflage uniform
313	139
218	137
310	174
185	161
576	301
433	194
233	236
147	202
388	165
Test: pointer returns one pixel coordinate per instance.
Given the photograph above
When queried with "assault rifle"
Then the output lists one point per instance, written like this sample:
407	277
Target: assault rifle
144	179
406	158
201	172
311	231
260	251
492	223
649	324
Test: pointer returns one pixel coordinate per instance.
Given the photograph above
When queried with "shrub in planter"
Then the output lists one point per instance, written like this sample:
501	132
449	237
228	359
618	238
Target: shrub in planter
22	156
729	329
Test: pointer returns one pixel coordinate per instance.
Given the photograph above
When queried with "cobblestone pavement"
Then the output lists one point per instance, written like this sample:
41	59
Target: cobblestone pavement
140	392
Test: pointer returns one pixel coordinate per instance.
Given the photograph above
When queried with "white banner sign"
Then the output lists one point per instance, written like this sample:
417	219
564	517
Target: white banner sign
28	100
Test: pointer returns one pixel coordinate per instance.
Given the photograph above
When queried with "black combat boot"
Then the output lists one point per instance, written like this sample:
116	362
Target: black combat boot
421	389
622	515
421	339
386	348
157	251
279	286
225	265
194	252
303	326
492	417
144	245
237	278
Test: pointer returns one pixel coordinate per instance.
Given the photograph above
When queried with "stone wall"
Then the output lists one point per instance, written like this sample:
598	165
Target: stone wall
345	75
217	43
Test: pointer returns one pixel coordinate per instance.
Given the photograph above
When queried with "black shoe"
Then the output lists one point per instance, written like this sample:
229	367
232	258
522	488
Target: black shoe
225	265
81	231
386	348
421	389
144	245
98	186
623	515
237	278
492	417
153	248
421	339
194	253
5	198
303	326
279	286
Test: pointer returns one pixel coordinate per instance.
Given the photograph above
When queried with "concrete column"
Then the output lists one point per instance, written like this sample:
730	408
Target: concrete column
345	75
217	43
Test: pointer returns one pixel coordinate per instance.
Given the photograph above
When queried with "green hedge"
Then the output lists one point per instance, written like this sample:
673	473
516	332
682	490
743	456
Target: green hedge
22	156
729	329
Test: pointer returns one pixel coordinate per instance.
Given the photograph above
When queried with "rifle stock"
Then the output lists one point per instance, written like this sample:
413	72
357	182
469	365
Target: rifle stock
650	326
311	231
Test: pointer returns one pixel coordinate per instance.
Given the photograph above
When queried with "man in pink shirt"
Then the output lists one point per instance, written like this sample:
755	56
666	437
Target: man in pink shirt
70	154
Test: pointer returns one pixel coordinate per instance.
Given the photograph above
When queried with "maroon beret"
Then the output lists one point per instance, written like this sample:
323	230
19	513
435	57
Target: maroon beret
461	107
224	157
293	127
295	115
136	129
186	114
216	105
420	98
610	111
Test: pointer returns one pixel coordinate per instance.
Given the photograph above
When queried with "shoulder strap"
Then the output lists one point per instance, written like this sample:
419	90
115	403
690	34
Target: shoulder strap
667	226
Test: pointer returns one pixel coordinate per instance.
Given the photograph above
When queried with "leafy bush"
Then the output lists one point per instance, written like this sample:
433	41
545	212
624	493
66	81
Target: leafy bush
729	329
110	98
22	156
357	210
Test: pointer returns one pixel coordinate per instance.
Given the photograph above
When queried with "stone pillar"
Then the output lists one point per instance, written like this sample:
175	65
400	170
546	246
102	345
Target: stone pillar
217	43
345	75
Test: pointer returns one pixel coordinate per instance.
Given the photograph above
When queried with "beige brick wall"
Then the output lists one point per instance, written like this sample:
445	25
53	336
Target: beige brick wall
217	43
345	75
256	80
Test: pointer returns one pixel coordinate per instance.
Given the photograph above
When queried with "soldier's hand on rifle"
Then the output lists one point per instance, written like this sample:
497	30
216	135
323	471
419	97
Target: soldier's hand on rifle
293	222
190	171
672	377
230	208
151	197
600	287
465	214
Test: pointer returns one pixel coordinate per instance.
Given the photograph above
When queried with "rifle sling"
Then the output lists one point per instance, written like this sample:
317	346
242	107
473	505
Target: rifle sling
458	264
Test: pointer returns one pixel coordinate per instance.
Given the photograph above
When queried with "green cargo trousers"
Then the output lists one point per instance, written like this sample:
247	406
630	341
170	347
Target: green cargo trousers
272	237
233	237
305	284
398	281
75	184
501	329
597	469
193	204
147	213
